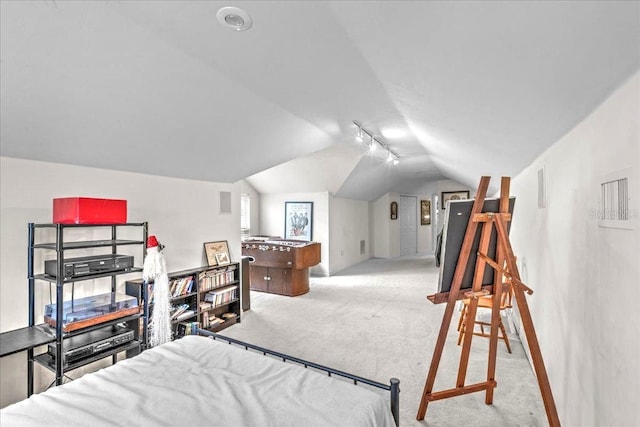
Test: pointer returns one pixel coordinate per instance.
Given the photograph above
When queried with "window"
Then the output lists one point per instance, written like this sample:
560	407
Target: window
245	216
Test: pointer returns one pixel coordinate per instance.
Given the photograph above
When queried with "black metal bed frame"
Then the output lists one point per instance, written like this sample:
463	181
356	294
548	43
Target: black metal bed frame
393	387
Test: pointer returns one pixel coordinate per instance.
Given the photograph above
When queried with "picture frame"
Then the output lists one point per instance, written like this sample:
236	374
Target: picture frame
222	258
453	195
425	212
298	221
217	250
394	210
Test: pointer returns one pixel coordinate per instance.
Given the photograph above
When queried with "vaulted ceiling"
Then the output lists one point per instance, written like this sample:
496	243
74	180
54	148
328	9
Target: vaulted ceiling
160	87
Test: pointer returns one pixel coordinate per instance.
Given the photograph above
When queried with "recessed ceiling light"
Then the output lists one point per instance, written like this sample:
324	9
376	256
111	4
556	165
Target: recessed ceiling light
234	18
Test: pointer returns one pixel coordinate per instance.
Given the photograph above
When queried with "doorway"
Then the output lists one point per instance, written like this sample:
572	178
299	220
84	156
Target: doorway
408	215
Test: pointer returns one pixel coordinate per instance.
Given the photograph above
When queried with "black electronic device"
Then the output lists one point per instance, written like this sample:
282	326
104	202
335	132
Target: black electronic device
95	264
98	341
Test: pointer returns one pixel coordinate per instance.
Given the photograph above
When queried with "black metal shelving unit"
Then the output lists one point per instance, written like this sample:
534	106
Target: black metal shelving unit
36	335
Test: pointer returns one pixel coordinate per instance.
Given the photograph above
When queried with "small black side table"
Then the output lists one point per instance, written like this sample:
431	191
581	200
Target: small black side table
22	339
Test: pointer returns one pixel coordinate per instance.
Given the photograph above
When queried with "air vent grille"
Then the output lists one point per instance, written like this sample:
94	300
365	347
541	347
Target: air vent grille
617	209
615	199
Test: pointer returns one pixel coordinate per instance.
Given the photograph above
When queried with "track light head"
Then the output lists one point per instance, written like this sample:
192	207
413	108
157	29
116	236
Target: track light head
360	132
373	143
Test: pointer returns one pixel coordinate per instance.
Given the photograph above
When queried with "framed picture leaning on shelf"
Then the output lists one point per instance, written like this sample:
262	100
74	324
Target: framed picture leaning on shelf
453	195
217	253
222	258
298	221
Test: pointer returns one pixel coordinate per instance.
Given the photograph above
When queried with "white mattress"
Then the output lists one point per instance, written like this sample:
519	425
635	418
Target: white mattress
197	381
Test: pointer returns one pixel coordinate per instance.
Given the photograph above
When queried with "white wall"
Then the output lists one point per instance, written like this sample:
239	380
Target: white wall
348	225
183	214
586	278
380	224
272	221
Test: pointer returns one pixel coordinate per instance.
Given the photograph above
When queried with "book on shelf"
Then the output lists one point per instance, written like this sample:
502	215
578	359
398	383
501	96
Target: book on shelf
215	278
182	286
185	315
187	328
210	320
181	312
222	296
205	320
213	321
228	316
205	305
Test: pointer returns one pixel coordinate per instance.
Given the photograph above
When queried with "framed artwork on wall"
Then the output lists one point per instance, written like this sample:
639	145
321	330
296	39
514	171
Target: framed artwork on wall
217	253
453	195
298	221
425	212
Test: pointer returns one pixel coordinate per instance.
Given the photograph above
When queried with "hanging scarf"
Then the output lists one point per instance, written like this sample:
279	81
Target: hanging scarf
155	269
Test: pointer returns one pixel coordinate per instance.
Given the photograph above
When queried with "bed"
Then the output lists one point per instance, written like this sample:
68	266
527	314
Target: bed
211	380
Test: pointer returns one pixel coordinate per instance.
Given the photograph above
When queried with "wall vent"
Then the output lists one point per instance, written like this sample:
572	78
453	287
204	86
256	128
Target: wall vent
542	194
362	247
225	202
614	210
615	199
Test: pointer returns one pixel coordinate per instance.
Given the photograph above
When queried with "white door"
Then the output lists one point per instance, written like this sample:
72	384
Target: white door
435	214
408	216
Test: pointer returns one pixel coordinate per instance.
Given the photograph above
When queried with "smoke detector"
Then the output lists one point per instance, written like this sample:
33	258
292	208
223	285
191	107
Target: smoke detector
234	18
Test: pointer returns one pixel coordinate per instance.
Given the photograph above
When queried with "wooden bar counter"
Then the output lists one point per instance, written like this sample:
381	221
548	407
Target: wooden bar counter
281	266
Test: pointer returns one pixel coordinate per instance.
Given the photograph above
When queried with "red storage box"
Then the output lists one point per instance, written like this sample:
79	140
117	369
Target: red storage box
85	210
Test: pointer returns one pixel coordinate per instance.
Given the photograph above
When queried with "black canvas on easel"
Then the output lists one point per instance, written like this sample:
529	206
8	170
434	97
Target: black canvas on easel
457	217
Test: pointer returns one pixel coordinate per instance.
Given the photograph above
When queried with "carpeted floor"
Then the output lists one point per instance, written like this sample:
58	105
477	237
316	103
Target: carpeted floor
373	320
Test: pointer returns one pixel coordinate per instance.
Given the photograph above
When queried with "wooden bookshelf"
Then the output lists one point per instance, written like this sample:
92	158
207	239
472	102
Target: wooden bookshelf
191	305
219	297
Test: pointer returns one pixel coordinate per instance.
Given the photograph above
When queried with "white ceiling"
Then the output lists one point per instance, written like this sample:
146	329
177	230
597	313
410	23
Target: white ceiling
162	88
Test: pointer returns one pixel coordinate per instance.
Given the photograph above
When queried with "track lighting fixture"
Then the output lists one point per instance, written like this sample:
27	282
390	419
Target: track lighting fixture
373	143
390	157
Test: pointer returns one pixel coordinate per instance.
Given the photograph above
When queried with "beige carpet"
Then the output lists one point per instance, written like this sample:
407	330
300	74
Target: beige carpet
373	320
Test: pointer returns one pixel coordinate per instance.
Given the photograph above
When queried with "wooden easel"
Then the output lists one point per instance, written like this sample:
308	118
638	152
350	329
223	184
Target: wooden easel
505	266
